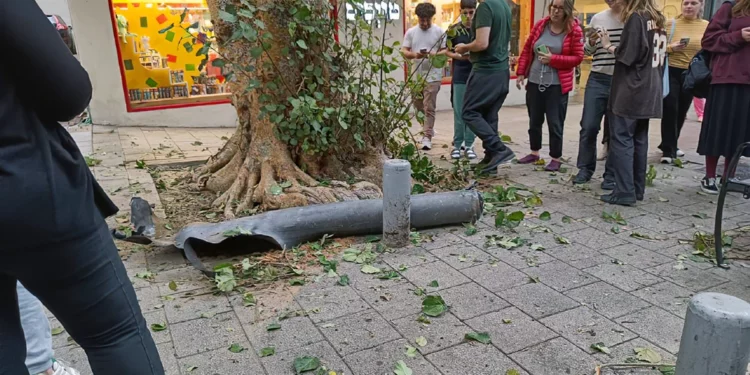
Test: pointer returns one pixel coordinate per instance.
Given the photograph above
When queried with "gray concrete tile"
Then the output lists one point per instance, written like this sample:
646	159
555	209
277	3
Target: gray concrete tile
203	335
62	339
594	239
573	252
668	296
522	257
691	278
538	300
359	331
741	291
333	302
520	333
572	209
149	299
471	300
626	351
607	300
75	357
186	278
158	317
555	357
436	238
474	359
360	281
657	326
270	302
445	275
382	359
294	333
442	332
591	261
191	305
584	327
626	277
656	222
637	256
393	301
282	363
168	358
165	258
222	361
656	240
556	224
462	257
496	277
409	257
560	276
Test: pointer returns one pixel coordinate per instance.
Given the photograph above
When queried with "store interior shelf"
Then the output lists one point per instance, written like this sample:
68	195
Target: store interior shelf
177	101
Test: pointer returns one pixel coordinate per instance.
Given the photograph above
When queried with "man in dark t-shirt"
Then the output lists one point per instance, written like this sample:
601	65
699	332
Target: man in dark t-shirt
460	33
635	97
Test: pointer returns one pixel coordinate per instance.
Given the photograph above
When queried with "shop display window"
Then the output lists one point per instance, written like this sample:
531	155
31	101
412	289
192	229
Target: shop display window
449	12
162	59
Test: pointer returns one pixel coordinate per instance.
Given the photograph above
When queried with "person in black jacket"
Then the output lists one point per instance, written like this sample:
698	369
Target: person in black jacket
54	238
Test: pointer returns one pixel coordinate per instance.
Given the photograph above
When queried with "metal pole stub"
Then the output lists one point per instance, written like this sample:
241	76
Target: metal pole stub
396	202
716	336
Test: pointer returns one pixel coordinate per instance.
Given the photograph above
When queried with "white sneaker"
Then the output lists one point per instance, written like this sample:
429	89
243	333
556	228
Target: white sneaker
604	151
666	160
426	144
60	369
680	153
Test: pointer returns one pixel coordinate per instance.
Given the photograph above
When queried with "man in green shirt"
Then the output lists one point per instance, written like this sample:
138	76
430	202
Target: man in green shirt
489	82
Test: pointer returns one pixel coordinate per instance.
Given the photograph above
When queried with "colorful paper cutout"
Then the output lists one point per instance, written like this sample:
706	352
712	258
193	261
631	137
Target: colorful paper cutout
170	36
188	46
128	64
161	19
151	83
190	67
144	22
172	58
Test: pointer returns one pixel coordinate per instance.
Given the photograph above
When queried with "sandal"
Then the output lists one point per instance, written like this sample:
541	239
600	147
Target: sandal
455	154
470	154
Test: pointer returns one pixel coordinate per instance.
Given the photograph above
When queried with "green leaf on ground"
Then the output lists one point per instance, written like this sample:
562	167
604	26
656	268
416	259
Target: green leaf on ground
661	199
268	351
614	217
470	229
700	215
507	321
562	240
140	164
506	138
434	306
534	279
678	163
276	190
647	355
417	189
567	219
225	279
434	284
600	347
273	327
421	341
207	315
667	370
642	236
515	218
545	216
359	256
402	369
306	363
237	232
248	299
537	247
615	229
424	320
512	372
344	280
145	275
419	292
158	327
92	162
57	330
411	351
482	337
192	368
294	282
650	175
172	286
369	269
390	275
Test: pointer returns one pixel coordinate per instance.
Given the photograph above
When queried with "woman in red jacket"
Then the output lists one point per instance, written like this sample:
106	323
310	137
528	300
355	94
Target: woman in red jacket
549	58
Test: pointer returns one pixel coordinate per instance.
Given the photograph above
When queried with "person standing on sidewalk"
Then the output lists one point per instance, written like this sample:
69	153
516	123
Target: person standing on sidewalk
596	96
460	33
55	240
421	43
686	32
726	124
636	96
489	81
552	52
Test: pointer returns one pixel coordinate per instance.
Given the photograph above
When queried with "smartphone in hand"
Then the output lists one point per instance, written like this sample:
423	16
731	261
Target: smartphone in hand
684	41
543	49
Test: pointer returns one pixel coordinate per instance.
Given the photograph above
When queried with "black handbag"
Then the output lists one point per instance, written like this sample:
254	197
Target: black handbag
696	80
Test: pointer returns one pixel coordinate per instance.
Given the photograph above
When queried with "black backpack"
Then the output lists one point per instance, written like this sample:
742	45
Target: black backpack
697	78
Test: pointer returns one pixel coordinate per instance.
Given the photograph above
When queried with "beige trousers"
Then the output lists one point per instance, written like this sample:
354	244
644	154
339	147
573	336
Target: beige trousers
427	105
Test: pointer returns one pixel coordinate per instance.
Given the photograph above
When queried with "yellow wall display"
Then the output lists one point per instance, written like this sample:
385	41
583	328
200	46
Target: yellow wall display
157	51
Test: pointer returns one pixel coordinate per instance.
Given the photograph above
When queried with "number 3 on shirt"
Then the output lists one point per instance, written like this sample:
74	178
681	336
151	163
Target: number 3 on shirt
660	50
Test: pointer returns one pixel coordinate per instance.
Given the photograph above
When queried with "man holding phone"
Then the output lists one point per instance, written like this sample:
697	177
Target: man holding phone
489	81
427	40
463	138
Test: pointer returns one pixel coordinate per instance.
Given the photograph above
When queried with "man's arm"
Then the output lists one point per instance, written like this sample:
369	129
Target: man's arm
406	48
590	46
47	76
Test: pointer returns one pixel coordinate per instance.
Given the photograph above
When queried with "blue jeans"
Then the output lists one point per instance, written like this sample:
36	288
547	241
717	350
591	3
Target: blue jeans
85	285
462	135
36	330
595	102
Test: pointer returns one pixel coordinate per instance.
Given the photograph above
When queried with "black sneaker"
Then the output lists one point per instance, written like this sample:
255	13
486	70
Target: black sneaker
581	178
486	158
497	159
639	197
709	186
622	201
608	185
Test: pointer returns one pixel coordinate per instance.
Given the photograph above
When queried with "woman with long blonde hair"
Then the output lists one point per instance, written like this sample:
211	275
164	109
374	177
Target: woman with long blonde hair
636	96
726	124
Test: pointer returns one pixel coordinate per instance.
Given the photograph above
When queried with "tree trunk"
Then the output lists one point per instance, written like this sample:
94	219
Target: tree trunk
255	165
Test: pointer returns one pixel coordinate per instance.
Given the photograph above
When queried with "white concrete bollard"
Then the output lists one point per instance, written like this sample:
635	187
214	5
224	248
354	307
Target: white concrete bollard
396	202
716	336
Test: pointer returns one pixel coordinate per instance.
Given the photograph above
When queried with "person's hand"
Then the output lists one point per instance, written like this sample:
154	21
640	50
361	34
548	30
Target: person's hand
513	60
421	55
545	58
746	34
604	36
677	46
461	48
520	82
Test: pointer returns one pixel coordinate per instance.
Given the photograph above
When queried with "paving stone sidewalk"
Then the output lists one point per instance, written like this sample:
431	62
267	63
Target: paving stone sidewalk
542	309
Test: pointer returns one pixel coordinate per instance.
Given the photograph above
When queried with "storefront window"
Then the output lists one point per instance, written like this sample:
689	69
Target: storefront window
449	12
162	59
